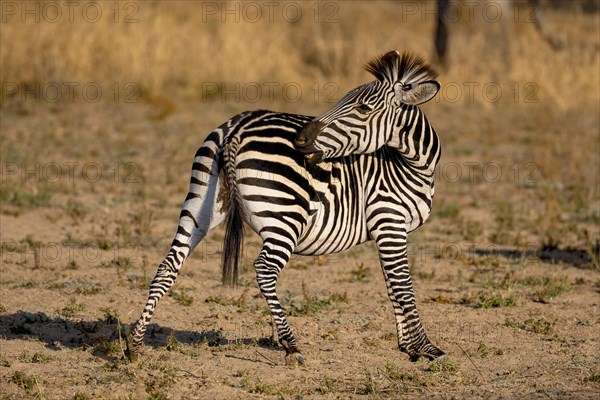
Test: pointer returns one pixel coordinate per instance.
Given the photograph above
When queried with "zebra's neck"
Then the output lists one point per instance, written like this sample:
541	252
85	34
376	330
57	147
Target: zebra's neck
416	141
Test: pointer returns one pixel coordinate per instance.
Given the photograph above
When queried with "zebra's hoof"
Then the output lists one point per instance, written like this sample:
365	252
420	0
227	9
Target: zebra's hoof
436	354
294	358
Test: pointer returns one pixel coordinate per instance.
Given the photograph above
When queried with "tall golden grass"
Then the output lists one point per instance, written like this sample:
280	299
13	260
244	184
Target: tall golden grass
173	48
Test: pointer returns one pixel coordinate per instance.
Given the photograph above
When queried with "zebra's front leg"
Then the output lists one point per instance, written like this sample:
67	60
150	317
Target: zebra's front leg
412	339
268	265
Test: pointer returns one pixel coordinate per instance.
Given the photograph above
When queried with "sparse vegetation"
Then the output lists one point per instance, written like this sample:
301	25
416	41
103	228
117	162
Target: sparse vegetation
182	297
449	211
489	300
445	365
542	325
29	383
360	273
311	304
36	358
72	308
551	287
506	268
593	378
25	198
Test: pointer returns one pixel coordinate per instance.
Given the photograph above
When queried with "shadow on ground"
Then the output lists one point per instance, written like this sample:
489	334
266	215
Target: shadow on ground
553	255
58	332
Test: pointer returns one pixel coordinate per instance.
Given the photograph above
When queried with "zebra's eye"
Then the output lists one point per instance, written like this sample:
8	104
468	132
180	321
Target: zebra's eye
406	87
364	108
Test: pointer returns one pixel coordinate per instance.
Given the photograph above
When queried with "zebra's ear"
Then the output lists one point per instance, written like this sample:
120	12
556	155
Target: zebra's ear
416	93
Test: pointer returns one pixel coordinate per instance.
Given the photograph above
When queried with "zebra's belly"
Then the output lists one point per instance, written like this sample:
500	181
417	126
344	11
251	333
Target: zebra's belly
328	233
417	214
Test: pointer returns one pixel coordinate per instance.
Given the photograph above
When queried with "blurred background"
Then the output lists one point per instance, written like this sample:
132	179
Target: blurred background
143	82
172	49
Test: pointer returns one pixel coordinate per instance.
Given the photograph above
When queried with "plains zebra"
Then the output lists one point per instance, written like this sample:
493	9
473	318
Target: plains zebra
376	183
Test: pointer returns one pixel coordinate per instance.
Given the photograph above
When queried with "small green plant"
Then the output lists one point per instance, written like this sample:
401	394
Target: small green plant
122	264
21	197
30	383
182	297
483	350
543	326
504	283
108	347
369	384
360	273
110	315
71	309
395	374
172	343
444	365
551	288
239	302
255	385
593	378
485	300
311	304
36	358
163	377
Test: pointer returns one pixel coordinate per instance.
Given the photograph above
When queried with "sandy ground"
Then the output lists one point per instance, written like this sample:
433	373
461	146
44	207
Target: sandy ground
517	319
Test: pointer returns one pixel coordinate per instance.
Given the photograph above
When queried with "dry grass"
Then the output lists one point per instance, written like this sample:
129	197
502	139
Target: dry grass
172	50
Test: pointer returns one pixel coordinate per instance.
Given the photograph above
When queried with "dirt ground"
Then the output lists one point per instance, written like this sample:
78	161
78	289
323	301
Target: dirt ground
505	271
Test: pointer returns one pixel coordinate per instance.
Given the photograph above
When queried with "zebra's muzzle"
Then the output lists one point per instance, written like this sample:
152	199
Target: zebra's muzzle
306	138
305	142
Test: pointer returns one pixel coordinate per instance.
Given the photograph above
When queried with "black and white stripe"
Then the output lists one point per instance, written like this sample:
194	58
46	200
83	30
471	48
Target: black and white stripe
376	183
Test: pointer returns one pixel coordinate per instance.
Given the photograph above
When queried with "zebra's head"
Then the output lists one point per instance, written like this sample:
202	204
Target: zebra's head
368	116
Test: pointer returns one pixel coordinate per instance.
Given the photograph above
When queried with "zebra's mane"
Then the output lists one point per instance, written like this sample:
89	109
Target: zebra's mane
406	68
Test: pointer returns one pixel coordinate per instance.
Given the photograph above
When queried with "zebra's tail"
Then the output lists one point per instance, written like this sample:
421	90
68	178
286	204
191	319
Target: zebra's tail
234	223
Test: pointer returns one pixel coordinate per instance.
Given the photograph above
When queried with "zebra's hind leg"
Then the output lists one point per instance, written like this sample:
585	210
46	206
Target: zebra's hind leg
201	212
412	338
167	272
268	265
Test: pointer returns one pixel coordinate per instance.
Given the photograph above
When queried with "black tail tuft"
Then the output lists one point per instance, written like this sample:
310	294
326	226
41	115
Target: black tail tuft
234	237
234	222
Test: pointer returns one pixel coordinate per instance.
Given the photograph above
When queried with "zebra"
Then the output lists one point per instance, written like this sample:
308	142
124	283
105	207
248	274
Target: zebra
362	171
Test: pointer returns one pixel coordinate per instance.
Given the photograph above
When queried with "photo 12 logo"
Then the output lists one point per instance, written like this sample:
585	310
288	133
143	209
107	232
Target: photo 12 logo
69	92
64	253
468	11
489	92
269	11
254	92
125	12
71	171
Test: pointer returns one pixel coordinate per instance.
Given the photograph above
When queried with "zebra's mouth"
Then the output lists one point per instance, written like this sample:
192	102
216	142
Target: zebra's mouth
305	142
314	158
